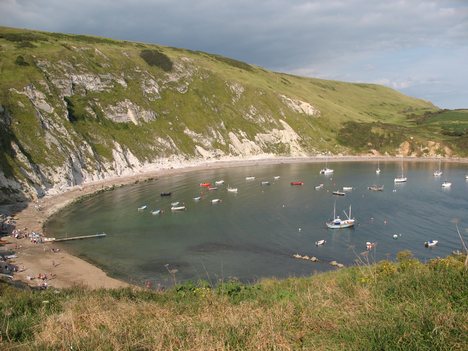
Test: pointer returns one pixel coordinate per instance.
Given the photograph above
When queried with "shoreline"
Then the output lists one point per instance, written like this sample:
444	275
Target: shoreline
65	270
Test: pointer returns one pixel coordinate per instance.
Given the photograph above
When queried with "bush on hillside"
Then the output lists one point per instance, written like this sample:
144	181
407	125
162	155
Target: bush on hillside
157	58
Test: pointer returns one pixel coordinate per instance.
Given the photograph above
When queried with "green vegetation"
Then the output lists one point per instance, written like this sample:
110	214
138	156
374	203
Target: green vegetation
403	305
86	97
156	58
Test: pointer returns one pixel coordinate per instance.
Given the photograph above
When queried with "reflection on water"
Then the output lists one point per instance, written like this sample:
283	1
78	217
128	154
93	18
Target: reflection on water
254	233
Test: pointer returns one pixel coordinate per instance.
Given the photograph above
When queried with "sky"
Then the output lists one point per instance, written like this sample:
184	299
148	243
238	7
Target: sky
419	47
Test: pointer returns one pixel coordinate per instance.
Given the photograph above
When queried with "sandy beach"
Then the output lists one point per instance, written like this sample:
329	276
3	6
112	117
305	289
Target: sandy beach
64	270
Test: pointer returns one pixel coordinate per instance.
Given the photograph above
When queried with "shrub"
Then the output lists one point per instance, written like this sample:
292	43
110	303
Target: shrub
157	58
20	61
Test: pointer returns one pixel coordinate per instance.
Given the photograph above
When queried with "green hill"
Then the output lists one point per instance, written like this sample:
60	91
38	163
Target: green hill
77	108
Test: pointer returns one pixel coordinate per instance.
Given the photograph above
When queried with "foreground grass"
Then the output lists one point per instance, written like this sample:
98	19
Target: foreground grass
389	306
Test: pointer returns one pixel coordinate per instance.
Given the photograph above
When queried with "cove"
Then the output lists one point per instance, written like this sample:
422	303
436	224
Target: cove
253	234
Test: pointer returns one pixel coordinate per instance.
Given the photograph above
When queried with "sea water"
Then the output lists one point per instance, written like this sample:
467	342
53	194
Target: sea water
254	233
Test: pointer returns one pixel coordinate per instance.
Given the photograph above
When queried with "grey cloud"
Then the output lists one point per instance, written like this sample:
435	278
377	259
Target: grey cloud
326	38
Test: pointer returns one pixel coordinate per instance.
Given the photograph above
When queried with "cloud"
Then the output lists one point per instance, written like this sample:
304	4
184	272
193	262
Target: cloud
334	39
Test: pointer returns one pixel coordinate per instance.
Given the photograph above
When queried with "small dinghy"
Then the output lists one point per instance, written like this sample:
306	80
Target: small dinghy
297	183
213	188
320	242
166	193
205	185
276	177
431	243
174	204
338	193
347	188
265	182
219	182
232	190
370	246
156	212
249	178
318	187
178	208
215	201
446	184
142	208
197	198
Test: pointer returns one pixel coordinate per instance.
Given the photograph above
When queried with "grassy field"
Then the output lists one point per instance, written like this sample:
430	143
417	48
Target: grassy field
403	305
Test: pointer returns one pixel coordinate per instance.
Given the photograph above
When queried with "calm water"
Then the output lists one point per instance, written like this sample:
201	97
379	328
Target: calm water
254	233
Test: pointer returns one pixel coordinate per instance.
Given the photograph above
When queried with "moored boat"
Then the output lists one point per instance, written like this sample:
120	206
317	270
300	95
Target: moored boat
339	193
446	184
276	177
219	182
215	201
297	183
156	212
250	178
318	187
265	182
178	208
338	223
347	188
431	243
232	190
376	187
370	245
166	193
205	185
320	242
142	208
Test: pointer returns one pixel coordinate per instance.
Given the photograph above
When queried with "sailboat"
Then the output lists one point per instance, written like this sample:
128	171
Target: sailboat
326	170
438	173
402	178
338	223
377	171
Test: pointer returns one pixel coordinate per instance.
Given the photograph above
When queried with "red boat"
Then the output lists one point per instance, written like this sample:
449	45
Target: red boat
297	183
205	185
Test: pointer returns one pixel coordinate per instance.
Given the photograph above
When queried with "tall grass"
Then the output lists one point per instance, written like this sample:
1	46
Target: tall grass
388	306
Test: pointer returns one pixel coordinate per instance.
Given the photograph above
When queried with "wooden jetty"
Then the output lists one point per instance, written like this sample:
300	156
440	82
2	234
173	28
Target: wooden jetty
100	235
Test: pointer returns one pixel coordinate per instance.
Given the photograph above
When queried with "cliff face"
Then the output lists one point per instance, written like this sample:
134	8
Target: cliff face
75	109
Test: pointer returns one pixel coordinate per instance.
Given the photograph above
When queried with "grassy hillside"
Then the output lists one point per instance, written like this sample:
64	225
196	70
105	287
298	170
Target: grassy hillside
388	306
75	107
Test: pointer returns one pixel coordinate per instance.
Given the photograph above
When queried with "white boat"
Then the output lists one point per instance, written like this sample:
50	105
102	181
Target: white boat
265	182
232	190
142	208
219	182
438	172
318	187
370	246
320	242
347	188
326	170
249	178
276	177
376	187
402	178
156	212
466	177
338	223
339	193
431	243
174	204
197	198
377	171
178	208
215	201
446	184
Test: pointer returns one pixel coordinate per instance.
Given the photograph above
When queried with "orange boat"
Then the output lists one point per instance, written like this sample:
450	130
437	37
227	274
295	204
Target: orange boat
297	183
205	185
